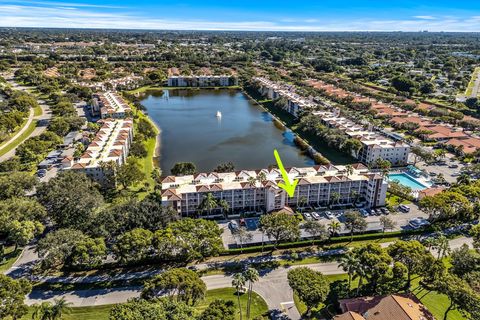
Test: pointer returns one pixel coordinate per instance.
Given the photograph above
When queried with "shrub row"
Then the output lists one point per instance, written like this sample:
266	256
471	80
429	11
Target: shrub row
333	240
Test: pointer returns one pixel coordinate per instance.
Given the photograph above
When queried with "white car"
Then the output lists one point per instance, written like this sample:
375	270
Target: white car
307	216
329	215
315	216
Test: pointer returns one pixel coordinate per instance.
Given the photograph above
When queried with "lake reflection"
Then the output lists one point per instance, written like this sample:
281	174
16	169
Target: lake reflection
244	135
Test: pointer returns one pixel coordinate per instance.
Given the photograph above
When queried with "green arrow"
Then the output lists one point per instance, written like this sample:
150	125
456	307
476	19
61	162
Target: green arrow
287	186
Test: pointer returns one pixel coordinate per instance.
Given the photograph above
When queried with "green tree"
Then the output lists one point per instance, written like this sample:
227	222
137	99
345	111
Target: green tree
129	174
413	255
208	203
219	310
12	296
251	275
387	223
89	252
163	308
238	282
16	184
355	222
133	245
349	264
179	284
334	227
70	199
280	226
316	230
225	167
312	287
21	233
57	246
183	169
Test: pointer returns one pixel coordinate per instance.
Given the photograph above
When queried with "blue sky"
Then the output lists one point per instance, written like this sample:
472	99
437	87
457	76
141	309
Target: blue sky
320	15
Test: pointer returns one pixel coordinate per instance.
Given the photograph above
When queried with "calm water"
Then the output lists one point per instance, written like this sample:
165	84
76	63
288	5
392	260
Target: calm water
244	135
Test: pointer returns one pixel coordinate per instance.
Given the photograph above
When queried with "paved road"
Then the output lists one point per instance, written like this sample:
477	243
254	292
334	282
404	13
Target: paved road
476	87
46	115
272	286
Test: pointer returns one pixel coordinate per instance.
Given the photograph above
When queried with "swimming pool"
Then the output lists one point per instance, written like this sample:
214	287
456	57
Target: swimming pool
407	180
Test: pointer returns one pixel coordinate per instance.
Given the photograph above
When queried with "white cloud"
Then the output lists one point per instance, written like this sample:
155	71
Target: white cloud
425	17
62	15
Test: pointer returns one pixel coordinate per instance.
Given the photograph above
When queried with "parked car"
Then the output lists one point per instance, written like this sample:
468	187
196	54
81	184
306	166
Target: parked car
453	166
456	174
307	216
364	213
418	223
233	225
372	212
403	208
385	211
432	174
329	215
315	216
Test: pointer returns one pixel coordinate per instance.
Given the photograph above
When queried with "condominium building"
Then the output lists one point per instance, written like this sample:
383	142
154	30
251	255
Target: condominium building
202	81
258	190
374	145
294	103
110	105
111	144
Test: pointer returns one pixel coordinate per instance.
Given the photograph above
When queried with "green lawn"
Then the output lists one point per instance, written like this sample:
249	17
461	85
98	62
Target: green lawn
82	313
20	138
469	89
258	307
37	111
393	200
10	257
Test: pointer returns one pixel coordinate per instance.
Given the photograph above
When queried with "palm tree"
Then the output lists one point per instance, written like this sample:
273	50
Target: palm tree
60	307
334	227
251	275
443	246
208	203
360	273
348	170
238	282
354	195
349	264
334	197
225	207
48	311
42	311
253	183
302	201
463	179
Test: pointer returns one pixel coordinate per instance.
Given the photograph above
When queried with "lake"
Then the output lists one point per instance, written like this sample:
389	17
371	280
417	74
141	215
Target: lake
244	135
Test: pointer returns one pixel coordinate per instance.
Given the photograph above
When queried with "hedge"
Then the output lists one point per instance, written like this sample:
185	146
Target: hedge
334	240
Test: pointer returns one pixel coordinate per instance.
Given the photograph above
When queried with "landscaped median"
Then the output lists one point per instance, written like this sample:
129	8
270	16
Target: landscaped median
21	138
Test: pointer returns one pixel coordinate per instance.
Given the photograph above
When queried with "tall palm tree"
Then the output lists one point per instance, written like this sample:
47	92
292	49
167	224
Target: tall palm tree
443	246
251	275
360	273
349	264
302	201
208	203
238	282
334	197
354	195
225	207
334	227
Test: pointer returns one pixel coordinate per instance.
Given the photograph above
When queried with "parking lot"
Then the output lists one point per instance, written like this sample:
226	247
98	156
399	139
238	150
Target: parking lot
402	220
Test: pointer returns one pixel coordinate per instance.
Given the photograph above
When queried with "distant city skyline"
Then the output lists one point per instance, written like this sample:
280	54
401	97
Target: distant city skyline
267	15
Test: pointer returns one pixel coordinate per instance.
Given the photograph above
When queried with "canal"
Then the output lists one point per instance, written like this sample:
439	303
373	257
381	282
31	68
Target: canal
191	132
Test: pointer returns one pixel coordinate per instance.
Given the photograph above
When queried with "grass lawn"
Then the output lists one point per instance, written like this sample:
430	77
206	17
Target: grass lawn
469	90
37	111
393	200
258	307
84	313
10	257
20	138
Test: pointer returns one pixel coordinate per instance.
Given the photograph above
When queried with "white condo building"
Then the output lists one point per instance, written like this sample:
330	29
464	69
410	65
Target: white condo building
294	102
111	144
258	190
110	105
374	145
202	81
